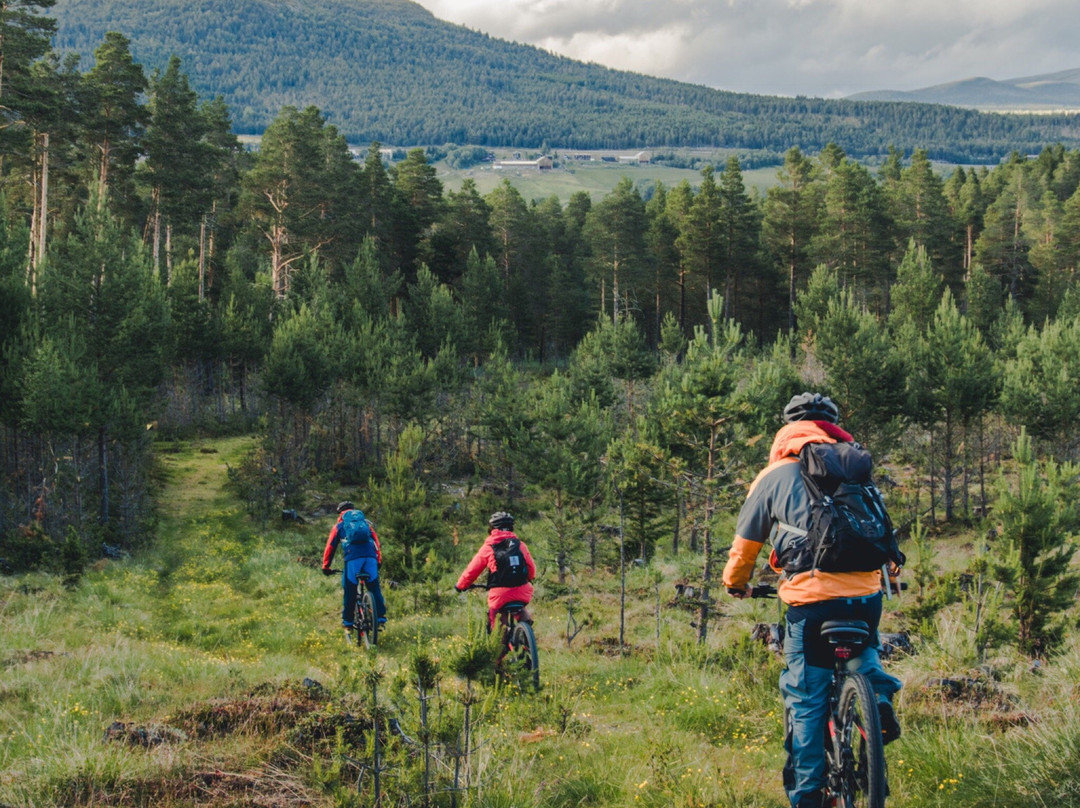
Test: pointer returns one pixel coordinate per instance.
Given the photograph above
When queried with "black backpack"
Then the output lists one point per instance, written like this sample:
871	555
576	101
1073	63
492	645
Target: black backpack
510	567
850	530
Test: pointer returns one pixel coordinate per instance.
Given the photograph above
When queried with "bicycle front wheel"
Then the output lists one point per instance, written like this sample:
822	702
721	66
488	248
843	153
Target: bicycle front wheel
523	650
862	778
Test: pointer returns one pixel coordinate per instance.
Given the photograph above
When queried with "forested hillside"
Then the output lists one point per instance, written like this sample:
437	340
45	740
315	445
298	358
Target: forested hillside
387	70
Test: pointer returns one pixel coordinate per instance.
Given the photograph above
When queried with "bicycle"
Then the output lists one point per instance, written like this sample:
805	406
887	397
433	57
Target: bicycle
855	771
365	623
518	640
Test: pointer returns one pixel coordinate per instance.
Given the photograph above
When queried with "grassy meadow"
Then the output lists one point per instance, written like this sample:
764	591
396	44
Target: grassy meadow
594	177
211	670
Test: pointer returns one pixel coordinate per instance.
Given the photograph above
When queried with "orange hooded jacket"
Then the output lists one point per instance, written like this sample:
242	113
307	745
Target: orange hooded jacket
779	497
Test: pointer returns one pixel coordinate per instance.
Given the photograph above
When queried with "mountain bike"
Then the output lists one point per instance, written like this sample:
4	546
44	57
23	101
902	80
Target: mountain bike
519	653
855	772
365	623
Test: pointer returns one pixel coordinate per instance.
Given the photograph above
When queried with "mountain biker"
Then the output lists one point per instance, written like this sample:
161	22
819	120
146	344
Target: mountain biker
502	554
361	557
778	505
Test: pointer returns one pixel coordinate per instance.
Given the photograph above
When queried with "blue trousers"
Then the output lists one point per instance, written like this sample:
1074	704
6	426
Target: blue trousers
805	682
349	576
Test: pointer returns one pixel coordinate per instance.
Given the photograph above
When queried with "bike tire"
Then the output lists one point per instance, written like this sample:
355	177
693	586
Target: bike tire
364	620
523	648
371	624
862	777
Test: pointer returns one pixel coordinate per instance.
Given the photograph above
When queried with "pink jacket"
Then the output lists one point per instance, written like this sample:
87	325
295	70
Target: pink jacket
485	560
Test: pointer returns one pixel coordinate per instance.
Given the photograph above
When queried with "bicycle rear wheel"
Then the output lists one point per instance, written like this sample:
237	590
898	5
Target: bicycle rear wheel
367	627
524	654
862	776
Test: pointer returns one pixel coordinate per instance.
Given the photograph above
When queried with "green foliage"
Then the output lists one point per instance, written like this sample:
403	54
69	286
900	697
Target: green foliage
1039	519
72	561
1039	388
408	524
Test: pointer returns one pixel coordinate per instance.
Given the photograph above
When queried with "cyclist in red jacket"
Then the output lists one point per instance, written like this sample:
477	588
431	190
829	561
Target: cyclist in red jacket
362	555
509	565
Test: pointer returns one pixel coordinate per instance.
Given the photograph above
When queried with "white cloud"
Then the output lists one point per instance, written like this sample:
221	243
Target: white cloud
791	47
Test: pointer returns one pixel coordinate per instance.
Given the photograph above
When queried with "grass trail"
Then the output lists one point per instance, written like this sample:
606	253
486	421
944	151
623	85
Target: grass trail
194	479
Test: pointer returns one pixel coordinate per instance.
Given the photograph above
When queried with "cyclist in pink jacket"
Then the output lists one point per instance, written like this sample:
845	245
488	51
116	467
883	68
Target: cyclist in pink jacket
509	566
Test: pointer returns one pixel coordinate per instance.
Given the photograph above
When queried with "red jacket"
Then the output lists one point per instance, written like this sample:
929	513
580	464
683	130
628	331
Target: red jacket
485	560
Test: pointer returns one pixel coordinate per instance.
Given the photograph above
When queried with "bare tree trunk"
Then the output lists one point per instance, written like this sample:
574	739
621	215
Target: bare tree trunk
202	260
156	228
168	251
947	467
43	213
706	578
622	577
933	492
103	473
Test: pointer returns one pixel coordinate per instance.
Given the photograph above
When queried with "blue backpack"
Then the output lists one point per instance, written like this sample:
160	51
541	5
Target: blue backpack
354	529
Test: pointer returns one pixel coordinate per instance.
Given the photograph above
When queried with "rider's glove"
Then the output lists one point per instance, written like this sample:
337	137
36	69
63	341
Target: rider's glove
327	571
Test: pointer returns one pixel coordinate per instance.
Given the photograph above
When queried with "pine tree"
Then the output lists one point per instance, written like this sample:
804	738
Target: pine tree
180	165
115	118
954	377
790	221
1038	517
740	235
616	232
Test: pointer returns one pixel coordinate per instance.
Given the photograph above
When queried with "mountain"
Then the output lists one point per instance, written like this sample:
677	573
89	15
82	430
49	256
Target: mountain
388	70
1052	91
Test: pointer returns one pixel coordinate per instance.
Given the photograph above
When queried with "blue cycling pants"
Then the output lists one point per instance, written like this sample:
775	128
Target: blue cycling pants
349	576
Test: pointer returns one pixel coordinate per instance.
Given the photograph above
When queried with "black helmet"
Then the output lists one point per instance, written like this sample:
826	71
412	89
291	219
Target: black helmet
501	520
345	506
811	407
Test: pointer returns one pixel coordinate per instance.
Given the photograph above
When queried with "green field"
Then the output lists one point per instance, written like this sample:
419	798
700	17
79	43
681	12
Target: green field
595	178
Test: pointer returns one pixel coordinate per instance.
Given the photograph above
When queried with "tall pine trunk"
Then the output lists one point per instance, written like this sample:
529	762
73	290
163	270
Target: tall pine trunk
103	473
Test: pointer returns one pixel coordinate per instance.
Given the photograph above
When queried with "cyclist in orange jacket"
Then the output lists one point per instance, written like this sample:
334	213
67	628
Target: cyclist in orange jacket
778	507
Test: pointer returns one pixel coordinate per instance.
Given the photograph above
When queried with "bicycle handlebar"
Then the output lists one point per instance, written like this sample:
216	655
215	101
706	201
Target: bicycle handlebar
757	591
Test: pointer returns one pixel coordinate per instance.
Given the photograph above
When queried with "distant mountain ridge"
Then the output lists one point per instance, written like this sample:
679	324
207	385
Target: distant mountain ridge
1051	91
389	71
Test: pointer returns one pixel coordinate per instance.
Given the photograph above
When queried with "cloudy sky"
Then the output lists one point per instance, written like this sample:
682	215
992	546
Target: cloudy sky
827	48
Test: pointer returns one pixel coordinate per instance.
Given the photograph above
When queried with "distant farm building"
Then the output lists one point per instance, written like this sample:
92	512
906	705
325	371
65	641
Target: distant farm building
635	159
544	163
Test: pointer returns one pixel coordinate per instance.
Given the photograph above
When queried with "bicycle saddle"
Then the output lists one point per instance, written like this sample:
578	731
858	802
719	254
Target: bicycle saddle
853	632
